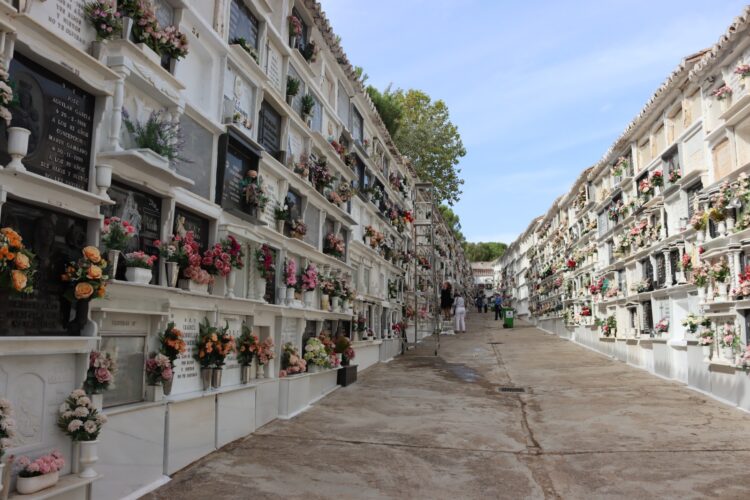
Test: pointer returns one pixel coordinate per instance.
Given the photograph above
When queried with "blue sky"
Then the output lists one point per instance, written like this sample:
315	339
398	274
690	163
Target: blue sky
538	89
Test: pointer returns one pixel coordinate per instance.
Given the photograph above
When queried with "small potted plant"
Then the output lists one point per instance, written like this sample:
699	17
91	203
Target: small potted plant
158	372
158	135
100	375
308	105
172	345
247	347
292	89
139	267
265	355
7	432
116	234
82	422
39	474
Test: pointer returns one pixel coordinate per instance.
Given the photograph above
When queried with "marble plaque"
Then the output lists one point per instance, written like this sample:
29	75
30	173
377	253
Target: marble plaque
66	19
273	67
187	370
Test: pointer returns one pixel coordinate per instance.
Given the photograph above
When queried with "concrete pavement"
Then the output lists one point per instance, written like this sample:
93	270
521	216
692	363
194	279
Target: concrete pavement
434	428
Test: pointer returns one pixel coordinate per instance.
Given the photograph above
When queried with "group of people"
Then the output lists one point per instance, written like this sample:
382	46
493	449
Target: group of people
453	303
484	303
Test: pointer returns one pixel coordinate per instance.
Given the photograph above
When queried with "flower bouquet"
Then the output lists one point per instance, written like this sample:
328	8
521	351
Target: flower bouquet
172	345
723	92
291	361
316	355
247	346
334	246
674	175
86	276
645	187
657	178
104	17
297	228
213	346
36	475
139	265
254	192
101	372
265	355
79	419
344	347
662	326
17	264
7	429
158	369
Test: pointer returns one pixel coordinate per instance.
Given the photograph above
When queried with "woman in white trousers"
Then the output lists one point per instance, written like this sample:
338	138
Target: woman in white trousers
459	311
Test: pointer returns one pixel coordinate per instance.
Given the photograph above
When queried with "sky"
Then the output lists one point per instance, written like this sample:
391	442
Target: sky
539	90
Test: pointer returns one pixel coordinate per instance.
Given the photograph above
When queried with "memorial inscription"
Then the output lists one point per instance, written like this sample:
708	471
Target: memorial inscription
60	118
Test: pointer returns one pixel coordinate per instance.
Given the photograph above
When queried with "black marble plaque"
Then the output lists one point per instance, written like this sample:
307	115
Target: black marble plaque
269	135
235	160
60	118
143	211
185	221
242	23
56	239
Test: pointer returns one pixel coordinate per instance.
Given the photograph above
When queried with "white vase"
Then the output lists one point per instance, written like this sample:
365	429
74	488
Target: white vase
722	228
260	288
103	179
230	280
289	295
28	485
730	224
261	371
138	275
88	457
192	286
701	294
723	291
337	304
18	146
324	301
281	295
154	393
700	236
171	273
727	353
707	353
280	226
97	401
345	305
310	299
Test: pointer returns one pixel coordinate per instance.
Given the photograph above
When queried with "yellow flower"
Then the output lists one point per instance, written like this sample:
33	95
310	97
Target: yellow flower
19	280
83	291
95	272
92	254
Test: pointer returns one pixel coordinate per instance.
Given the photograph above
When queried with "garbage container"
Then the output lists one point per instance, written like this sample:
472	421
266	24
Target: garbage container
508	317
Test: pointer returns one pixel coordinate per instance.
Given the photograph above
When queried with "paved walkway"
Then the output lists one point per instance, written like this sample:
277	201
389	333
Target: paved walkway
422	427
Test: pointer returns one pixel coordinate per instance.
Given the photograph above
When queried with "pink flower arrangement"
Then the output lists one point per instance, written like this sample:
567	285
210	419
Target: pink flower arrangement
116	233
722	92
291	361
334	245
46	464
645	187
101	371
657	178
290	272
742	70
7	426
231	246
309	278
265	351
198	275
264	262
217	261
662	326
158	369
140	259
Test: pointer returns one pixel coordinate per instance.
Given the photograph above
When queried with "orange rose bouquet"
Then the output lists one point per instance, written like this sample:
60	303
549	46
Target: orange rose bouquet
214	345
86	276
17	264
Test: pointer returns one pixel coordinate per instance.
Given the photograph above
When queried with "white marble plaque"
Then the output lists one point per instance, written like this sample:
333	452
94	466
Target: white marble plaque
231	374
273	67
187	370
66	19
119	322
295	144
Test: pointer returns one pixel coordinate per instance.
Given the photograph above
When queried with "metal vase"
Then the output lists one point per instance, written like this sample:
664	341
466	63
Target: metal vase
216	378
206	378
167	386
245	374
113	258
171	273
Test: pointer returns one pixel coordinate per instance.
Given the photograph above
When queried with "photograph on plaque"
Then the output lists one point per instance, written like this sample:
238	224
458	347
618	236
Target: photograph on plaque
185	221
59	116
56	239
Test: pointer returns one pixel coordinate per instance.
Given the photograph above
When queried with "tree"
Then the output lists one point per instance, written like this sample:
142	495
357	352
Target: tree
484	251
428	138
453	222
388	107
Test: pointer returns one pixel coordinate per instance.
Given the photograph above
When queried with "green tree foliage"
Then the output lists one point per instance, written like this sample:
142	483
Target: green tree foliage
388	107
453	222
484	251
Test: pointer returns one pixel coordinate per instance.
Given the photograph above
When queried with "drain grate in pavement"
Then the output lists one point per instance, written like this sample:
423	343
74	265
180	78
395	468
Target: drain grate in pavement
511	389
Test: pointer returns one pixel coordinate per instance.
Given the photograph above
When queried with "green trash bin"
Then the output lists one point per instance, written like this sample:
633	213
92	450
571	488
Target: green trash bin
508	316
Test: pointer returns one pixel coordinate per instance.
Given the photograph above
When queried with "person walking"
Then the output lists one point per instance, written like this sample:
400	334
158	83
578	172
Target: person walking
479	303
498	307
459	313
446	300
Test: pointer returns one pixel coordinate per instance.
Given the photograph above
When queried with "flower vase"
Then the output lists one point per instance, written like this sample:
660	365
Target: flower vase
701	294
700	236
230	281
87	456
192	286
260	374
167	385
337	304
312	368
281	295
722	289
324	302
289	295
280	226
18	146
139	275
113	258
154	393
29	485
80	324
722	228
216	378
171	273
730	224
727	352
309	299
260	288
206	378
98	49
345	305
707	353
245	371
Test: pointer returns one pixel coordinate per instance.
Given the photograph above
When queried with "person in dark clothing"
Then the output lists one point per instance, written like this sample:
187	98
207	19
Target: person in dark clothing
498	307
485	303
479	303
446	300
